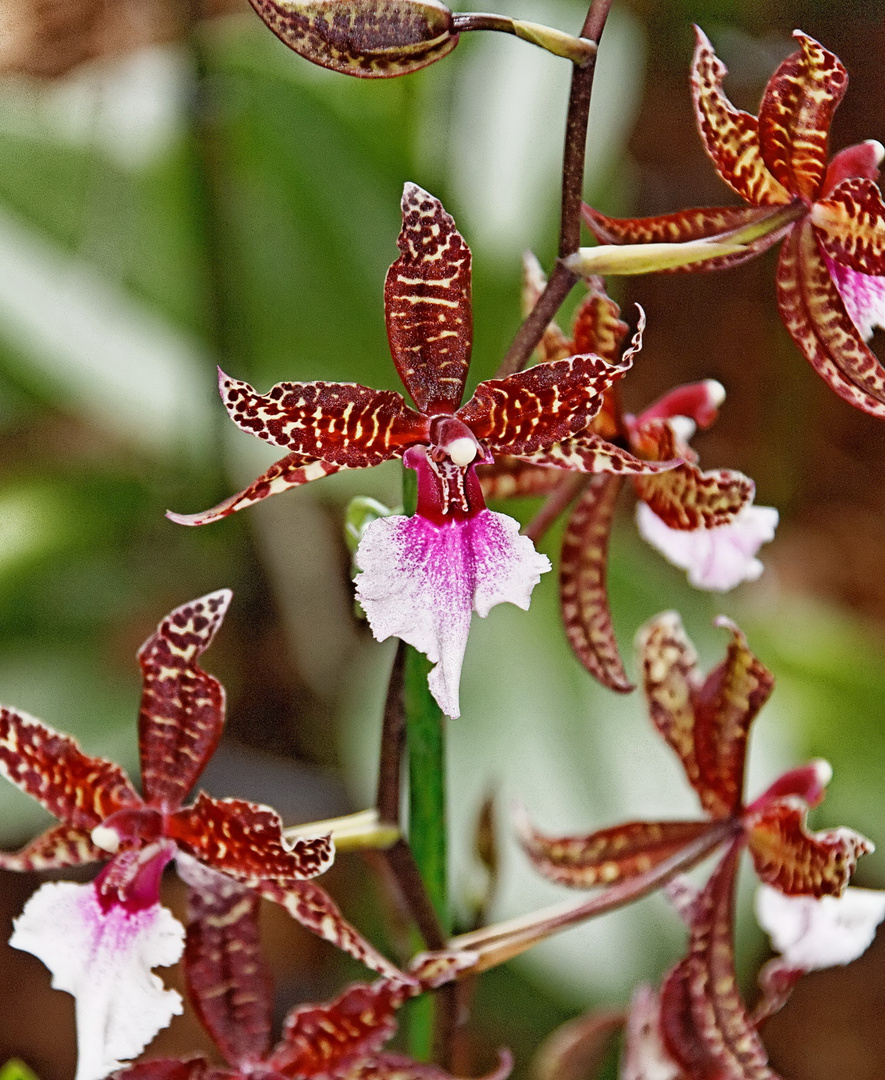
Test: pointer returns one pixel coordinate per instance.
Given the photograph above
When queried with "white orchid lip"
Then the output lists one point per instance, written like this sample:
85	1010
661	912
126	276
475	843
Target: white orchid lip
106	839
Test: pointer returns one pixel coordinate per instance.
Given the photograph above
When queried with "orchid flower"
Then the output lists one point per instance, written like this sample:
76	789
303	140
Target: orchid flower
230	989
101	940
422	577
830	283
704	1024
704	522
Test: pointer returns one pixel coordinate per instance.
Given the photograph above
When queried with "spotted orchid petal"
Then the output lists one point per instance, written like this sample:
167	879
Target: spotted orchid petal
582	583
508	478
79	790
717	559
103	955
795	861
427	304
850	225
421	581
795	116
182	708
863	296
590	453
56	849
812	934
608	855
730	136
821	325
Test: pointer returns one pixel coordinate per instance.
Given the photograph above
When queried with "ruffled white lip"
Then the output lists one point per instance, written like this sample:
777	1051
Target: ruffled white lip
716	559
421	582
103	956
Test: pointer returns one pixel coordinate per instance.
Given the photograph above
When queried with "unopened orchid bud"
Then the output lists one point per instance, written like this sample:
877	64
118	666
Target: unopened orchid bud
372	39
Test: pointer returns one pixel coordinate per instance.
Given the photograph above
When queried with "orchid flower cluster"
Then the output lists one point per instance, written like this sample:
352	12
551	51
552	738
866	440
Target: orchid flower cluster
557	428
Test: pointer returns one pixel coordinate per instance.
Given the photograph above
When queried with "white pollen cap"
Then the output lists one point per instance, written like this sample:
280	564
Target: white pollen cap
878	149
684	427
106	839
462	451
715	391
823	770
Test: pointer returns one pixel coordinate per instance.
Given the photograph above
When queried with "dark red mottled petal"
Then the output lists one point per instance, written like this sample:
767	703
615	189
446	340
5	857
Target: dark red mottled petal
850	225
55	849
182	708
544	405
345	424
398	1067
315	909
670	679
725	707
795	116
323	1040
788	857
817	320
730	135
590	453
246	840
608	855
582	583
598	327
508	478
427	304
371	40
291	471
228	983
704	1022
81	791
698	223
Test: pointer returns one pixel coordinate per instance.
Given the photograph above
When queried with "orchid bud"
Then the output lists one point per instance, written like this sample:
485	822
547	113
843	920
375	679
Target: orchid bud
372	39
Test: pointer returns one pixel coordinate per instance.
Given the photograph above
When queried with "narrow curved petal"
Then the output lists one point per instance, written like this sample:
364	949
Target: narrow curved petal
81	791
246	840
705	1024
796	861
795	116
685	226
317	911
850	226
598	327
182	708
582	584
546	404
421	582
103	956
427	304
589	453
55	849
717	559
730	135
608	855
819	323
699	401
812	934
227	980
291	471
508	478
346	424
863	296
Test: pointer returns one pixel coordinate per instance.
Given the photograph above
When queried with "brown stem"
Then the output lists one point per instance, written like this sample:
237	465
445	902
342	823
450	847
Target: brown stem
561	280
393	734
568	489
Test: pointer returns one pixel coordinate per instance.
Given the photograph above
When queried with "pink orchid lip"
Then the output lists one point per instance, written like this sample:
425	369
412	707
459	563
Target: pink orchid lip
132	879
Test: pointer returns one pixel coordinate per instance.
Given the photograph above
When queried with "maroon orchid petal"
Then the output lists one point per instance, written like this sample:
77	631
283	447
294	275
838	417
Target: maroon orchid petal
795	861
725	707
608	855
582	583
291	471
851	226
598	327
398	1067
508	478
795	116
323	1040
346	424
246	840
816	317
195	1068
227	980
182	708
56	849
862	159
427	304
730	135
544	405
590	453
698	223
698	401
81	791
704	1022
315	909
